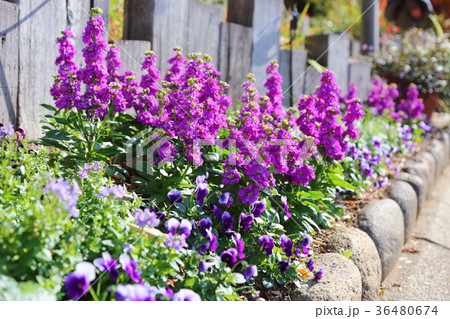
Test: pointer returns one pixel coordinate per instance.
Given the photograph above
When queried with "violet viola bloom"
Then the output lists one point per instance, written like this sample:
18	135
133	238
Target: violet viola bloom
310	264
116	191
286	245
305	244
227	221
229	257
146	217
246	221
205	266
226	199
266	244
173	226
319	275
65	192
212	239
257	208
204	224
239	244
107	263
129	266
217	212
175	196
186	295
201	191
250	272
176	241
286	206
283	265
77	282
136	293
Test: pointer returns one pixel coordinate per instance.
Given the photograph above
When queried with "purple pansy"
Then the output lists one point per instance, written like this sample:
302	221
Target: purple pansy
286	245
205	266
186	295
310	264
146	218
246	221
266	244
129	266
107	263
229	257
227	221
175	196
117	191
283	265
226	199
258	207
77	282
250	272
319	275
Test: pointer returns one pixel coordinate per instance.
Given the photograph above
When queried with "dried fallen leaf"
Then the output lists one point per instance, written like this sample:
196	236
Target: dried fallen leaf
351	203
410	250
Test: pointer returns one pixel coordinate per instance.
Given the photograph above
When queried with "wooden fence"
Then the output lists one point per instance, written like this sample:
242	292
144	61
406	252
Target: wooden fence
241	38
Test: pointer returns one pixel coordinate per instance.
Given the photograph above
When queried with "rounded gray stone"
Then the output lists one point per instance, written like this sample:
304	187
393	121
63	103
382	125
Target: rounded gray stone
436	148
417	184
446	141
341	281
425	157
364	255
382	220
406	198
422	169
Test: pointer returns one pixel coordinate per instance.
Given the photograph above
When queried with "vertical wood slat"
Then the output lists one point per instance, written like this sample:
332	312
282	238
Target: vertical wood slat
9	62
38	51
235	57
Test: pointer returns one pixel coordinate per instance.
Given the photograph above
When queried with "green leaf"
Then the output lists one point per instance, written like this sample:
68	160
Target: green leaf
48	107
268	283
338	181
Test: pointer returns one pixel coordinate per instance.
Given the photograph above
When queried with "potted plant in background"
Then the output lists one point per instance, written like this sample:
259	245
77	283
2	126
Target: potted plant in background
420	57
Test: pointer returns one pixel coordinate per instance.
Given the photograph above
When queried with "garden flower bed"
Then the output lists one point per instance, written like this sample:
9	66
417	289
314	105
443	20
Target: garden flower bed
147	191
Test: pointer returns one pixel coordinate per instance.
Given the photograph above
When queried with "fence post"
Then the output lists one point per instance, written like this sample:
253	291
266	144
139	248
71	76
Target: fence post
9	62
370	28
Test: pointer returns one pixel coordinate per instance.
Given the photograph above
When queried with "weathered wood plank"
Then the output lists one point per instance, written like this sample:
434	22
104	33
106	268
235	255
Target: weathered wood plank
312	80
132	55
138	20
9	65
235	57
41	22
285	72
359	73
204	29
333	52
266	37
298	74
239	12
77	16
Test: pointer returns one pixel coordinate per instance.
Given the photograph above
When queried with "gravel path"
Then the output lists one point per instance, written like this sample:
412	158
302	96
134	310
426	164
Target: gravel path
423	270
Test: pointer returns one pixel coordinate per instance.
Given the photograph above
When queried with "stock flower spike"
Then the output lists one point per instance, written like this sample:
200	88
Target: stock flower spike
249	194
77	282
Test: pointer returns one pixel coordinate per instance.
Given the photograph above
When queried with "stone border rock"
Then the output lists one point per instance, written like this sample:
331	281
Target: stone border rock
385	225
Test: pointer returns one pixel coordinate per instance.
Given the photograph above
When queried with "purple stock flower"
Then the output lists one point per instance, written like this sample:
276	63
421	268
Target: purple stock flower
246	221
249	194
286	245
65	192
146	217
266	244
186	295
77	282
229	257
319	275
310	264
230	177
227	221
117	191
226	199
250	272
129	266
175	196
107	263
258	207
283	265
